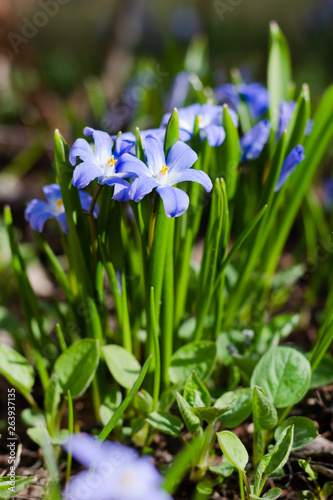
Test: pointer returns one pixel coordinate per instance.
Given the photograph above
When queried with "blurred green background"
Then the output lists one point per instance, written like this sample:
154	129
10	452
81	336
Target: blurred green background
69	63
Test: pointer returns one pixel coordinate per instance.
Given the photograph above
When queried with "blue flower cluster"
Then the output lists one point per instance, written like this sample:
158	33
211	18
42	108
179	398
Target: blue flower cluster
112	160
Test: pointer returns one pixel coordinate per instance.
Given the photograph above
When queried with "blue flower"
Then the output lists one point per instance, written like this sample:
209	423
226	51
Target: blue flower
162	173
101	164
253	142
39	211
287	109
295	156
257	97
254	94
210	122
115	472
286	112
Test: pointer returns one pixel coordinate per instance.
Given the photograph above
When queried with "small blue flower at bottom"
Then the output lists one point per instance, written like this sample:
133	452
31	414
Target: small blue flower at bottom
162	173
39	211
115	472
295	156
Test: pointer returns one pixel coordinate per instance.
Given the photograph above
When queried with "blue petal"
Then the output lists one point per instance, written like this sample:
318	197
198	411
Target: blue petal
227	94
286	111
253	142
85	200
142	186
210	115
89	451
85	173
63	222
159	133
154	153
175	200
257	97
132	166
121	191
81	149
191	175
124	144
184	135
52	193
215	135
37	213
103	144
293	159
180	157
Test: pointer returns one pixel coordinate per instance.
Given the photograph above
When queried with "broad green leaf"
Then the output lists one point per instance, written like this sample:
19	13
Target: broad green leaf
171	132
209	414
305	431
272	494
241	408
9	489
225	469
323	374
195	392
278	72
198	356
233	449
143	402
264	413
274	460
165	422
284	375
16	369
123	366
192	422
77	365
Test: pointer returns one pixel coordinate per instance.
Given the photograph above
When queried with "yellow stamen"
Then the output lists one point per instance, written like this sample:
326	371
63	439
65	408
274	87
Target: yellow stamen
112	161
59	202
200	121
164	169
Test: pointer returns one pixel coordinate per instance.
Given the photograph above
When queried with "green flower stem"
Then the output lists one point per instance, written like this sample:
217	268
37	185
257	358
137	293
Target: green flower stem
157	355
94	243
167	327
71	431
126	326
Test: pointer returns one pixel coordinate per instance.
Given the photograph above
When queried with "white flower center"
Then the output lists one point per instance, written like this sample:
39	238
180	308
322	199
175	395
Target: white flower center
59	206
109	167
162	176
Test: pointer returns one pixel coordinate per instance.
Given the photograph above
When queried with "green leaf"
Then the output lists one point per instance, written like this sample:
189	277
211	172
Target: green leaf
77	365
229	153
9	489
274	460
224	469
278	72
52	401
233	449
272	494
16	369
143	402
305	431
323	374
195	392
284	375
209	414
123	366
299	119
306	466
198	356
264	414
165	422
192	422
241	408
171	132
